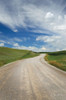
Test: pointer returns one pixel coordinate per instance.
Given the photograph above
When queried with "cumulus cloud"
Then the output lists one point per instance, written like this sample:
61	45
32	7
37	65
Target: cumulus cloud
32	48
53	43
1	44
49	15
11	41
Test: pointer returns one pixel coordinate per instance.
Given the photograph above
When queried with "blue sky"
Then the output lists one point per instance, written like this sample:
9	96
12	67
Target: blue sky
38	25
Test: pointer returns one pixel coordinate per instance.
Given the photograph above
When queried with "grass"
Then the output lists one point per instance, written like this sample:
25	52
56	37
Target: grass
57	59
8	55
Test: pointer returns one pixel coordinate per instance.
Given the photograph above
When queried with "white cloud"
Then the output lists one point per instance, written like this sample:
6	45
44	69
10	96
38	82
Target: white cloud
17	39
20	13
60	27
2	41
59	17
41	31
11	41
47	38
43	48
53	43
15	30
49	15
41	16
33	48
1	44
64	49
16	45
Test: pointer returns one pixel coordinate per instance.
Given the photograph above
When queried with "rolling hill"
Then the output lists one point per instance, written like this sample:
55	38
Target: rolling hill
8	55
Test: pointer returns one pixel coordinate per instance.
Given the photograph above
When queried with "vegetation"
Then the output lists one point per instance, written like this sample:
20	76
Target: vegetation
57	59
8	55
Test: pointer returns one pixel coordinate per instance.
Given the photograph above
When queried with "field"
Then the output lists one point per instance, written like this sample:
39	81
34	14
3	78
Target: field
57	59
8	55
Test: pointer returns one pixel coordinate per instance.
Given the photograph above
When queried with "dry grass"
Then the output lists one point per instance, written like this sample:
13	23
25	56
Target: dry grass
46	57
54	63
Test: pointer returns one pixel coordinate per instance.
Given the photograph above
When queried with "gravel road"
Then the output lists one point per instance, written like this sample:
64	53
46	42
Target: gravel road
32	79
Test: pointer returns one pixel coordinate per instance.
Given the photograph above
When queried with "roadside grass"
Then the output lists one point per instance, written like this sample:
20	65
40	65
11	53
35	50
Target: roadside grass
57	59
8	55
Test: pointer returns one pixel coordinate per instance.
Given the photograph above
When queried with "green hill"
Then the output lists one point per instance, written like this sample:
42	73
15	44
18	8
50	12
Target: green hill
57	59
8	55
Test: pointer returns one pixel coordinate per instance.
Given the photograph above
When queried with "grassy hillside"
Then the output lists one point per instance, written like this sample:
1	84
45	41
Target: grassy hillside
57	59
8	55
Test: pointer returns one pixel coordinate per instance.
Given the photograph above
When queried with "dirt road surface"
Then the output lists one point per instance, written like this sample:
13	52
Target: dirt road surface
32	79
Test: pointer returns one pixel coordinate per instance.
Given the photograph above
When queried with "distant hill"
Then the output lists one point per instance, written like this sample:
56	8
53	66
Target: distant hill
8	55
57	53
